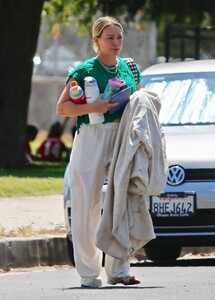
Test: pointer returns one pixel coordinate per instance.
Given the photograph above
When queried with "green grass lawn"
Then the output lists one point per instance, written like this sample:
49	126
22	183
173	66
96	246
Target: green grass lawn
44	178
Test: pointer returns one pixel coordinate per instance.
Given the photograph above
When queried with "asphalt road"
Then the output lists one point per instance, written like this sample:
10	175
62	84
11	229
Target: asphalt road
189	279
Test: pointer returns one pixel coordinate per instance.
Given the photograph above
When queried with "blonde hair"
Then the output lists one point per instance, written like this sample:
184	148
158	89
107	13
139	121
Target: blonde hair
99	25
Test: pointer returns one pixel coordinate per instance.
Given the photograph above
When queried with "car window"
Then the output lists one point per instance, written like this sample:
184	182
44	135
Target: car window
187	98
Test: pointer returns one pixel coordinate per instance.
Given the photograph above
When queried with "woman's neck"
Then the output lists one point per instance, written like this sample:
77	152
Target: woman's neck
107	60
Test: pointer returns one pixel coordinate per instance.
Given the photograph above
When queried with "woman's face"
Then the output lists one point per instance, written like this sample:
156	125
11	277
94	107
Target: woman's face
111	41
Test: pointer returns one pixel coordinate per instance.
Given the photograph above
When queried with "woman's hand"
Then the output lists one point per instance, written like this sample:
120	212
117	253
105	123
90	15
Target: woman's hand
138	86
102	106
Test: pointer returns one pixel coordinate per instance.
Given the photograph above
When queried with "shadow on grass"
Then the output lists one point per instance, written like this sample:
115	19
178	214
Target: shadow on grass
39	170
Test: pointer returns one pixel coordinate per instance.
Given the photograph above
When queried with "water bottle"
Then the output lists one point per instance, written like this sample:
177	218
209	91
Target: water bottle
92	92
76	93
112	87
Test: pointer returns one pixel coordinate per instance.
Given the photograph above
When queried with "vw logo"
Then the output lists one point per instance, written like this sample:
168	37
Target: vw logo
176	175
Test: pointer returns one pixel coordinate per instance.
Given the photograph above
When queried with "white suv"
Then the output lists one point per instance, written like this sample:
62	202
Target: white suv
185	214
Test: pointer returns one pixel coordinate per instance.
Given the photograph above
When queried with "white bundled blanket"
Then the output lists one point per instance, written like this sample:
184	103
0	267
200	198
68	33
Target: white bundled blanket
138	168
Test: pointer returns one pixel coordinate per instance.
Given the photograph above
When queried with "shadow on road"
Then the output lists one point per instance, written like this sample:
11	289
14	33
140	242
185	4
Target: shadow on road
194	262
115	287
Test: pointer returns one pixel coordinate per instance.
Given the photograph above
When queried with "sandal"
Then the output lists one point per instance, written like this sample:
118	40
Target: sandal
130	280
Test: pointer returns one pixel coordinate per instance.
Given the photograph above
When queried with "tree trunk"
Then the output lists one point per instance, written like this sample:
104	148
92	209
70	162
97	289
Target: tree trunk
19	30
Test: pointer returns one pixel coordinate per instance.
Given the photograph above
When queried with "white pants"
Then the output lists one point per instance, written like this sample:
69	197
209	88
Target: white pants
90	160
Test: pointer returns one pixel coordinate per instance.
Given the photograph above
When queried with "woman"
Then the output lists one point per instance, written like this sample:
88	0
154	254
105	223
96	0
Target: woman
92	152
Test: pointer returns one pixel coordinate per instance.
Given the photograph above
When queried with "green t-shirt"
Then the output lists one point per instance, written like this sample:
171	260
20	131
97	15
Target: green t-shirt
92	67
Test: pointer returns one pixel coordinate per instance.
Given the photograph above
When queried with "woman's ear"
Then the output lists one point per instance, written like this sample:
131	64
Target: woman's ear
95	39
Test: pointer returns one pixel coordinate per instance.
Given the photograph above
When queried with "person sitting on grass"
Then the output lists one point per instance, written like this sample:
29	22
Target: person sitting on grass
52	148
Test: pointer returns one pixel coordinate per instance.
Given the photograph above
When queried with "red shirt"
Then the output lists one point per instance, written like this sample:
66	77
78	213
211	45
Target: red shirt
52	149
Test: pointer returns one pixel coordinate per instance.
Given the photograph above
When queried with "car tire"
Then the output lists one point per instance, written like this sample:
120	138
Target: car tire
70	250
162	253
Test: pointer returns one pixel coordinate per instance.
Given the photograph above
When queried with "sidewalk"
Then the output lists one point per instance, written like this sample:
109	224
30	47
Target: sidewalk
38	213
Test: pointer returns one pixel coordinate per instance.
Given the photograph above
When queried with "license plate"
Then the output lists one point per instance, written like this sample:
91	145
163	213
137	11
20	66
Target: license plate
182	204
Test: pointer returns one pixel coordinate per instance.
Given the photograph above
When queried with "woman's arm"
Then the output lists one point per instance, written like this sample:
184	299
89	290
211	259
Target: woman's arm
65	106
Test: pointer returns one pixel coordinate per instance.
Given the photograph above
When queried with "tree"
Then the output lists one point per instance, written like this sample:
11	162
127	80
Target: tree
183	12
20	24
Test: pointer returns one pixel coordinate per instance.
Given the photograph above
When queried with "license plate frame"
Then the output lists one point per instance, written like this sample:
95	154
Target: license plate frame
171	204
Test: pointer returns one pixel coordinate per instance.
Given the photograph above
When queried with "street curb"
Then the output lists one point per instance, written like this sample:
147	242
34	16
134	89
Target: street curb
31	252
50	251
